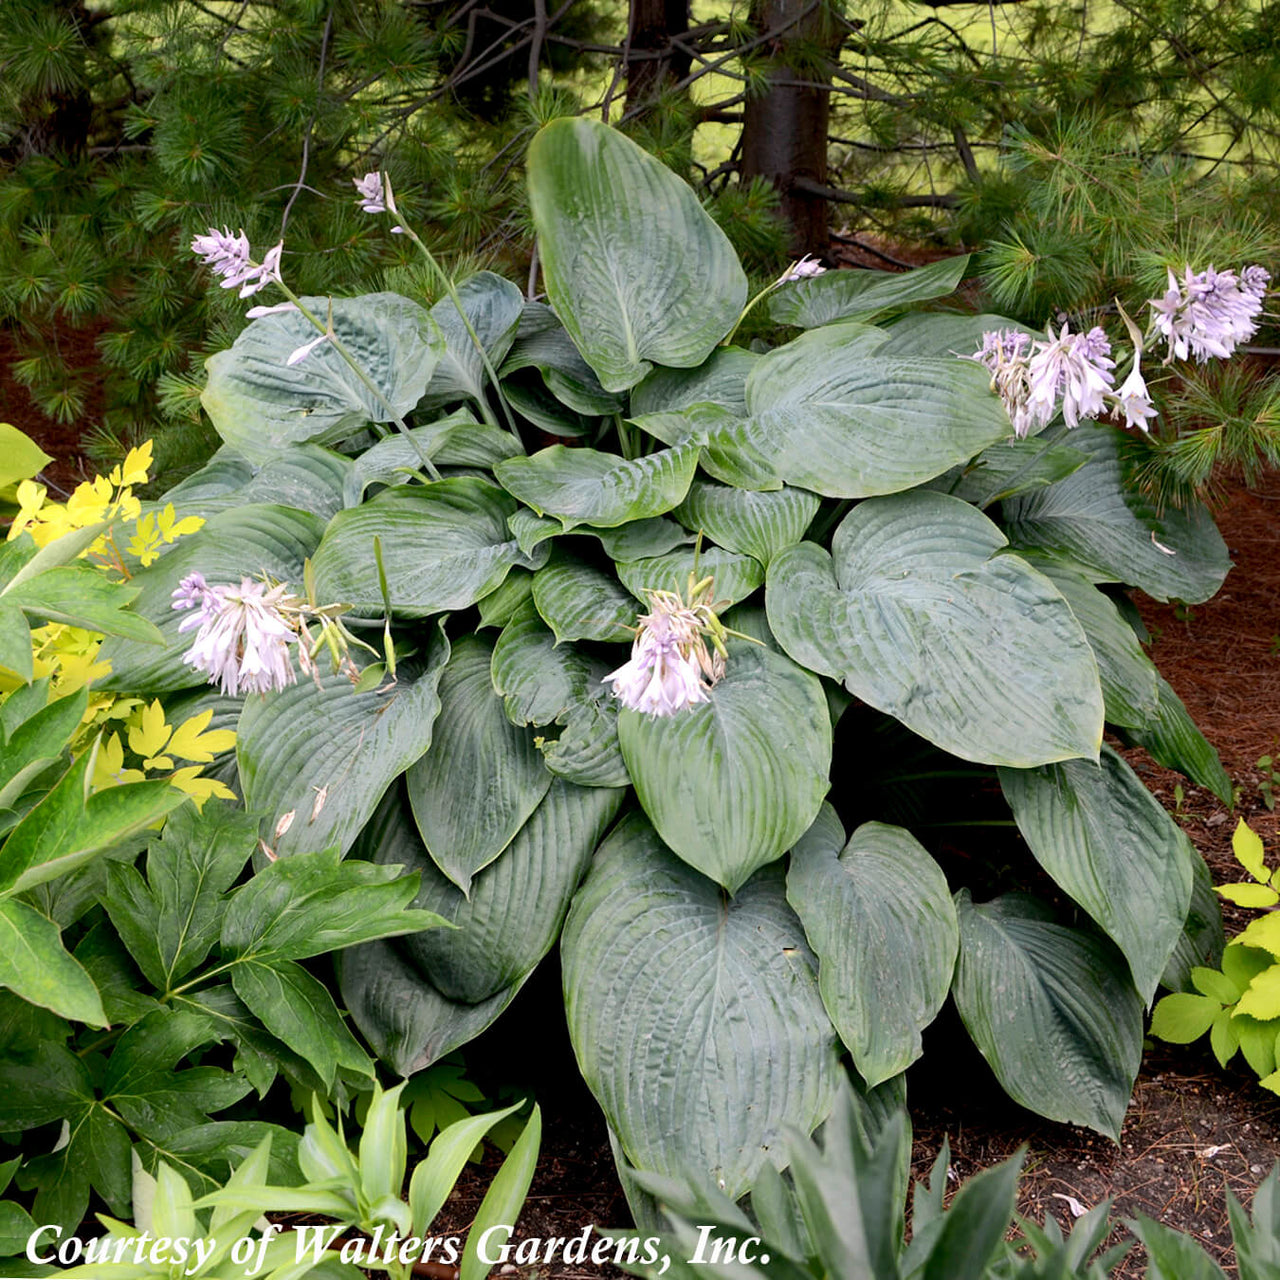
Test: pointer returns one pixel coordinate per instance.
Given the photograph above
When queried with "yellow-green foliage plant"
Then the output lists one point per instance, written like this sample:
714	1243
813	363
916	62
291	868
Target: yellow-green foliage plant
1239	1004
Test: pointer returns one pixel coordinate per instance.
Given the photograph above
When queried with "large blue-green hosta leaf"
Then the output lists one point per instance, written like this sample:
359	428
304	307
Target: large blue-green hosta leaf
634	266
444	546
879	916
420	997
919	616
862	294
306	477
733	782
1106	840
839	412
482	776
696	1018
241	542
583	486
756	524
543	343
1051	1009
1095	518
326	755
260	405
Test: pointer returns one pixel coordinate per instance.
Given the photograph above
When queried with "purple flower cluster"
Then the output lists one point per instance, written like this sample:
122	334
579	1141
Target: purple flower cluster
228	256
1209	312
243	638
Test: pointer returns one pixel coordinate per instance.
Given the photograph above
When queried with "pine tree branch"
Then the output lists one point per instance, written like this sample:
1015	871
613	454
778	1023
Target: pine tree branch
311	123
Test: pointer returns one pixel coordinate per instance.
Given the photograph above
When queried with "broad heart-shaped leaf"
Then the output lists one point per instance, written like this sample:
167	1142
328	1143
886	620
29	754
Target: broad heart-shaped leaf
582	486
1095	518
919	616
1130	683
1051	1009
543	343
482	776
635	267
837	411
35	965
861	294
696	1019
305	476
242	542
581	602
732	783
517	904
933	333
757	524
543	682
1010	467
326	755
445	546
736	576
260	405
879	916
1106	840
170	920
493	305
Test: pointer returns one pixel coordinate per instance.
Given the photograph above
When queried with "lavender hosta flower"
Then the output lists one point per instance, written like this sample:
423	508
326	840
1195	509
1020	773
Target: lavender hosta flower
370	193
228	256
1210	312
1075	367
1134	400
805	269
1005	353
243	639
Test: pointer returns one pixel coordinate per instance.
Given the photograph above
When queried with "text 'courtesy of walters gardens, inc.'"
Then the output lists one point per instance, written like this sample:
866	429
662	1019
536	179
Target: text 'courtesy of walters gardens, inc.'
48	1245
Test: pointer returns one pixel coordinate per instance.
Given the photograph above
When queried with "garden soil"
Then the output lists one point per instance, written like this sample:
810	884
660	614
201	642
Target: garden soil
1193	1131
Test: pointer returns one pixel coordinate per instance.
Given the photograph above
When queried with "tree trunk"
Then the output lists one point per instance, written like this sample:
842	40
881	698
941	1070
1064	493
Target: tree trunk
784	129
652	25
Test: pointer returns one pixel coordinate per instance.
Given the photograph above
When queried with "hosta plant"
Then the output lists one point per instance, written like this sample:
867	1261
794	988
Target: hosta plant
729	670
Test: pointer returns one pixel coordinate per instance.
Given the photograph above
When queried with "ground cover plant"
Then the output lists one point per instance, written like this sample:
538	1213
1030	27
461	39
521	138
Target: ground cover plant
869	587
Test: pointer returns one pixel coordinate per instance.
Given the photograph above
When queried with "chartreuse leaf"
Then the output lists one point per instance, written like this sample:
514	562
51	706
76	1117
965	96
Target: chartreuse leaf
634	266
582	486
1184	1016
747	1048
1096	517
579	601
482	776
756	524
862	293
340	751
493	306
1262	999
241	542
879	916
260	405
504	1199
1051	1009
170	920
544	682
920	617
71	825
1246	844
1108	842
733	782
452	545
20	456
839	412
35	965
